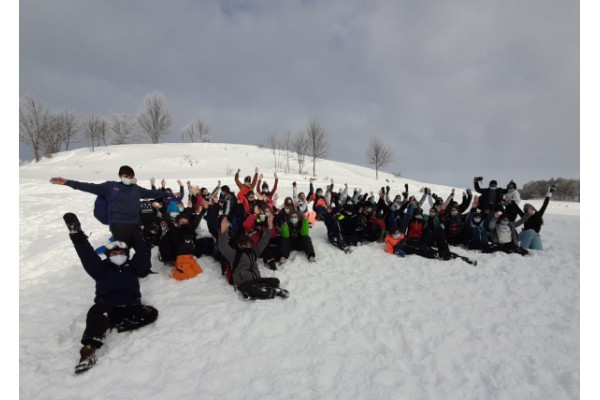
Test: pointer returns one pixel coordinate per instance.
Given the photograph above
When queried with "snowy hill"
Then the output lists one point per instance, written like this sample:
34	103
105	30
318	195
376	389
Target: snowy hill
365	325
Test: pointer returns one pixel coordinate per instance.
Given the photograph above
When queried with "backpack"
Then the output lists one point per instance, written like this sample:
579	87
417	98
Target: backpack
102	206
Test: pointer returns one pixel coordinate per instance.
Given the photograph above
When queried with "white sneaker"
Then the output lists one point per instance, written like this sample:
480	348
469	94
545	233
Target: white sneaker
311	259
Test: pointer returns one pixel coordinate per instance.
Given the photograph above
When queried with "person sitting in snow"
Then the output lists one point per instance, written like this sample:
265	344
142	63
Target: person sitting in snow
490	198
301	202
476	228
532	221
244	269
394	242
265	195
504	235
245	189
295	236
510	200
179	240
255	225
118	301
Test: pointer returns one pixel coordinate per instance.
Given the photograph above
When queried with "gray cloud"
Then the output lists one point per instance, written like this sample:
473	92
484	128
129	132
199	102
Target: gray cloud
456	89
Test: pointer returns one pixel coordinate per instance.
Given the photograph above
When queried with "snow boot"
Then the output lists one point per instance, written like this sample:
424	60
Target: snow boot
87	360
284	294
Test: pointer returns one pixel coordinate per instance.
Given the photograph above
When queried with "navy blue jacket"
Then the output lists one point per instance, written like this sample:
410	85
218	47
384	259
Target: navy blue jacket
124	207
115	285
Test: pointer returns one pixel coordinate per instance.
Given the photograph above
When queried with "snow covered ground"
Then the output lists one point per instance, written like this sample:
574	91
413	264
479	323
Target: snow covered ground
365	325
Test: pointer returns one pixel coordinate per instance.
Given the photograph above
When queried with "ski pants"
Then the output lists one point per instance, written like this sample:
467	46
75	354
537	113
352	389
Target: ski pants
302	243
261	288
102	317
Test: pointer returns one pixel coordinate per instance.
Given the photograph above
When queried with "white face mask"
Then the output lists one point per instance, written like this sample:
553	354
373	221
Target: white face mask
126	181
294	220
118	260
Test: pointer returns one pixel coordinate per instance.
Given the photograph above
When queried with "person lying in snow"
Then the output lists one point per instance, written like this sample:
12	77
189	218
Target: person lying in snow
117	303
245	273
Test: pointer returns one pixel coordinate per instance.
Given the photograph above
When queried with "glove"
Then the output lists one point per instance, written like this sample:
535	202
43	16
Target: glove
552	189
406	187
469	192
387	189
382	189
478	178
294	184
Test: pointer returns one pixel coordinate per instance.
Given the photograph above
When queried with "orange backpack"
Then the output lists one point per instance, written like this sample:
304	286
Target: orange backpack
186	267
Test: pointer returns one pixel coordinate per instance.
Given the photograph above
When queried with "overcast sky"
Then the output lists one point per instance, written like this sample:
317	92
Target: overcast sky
454	88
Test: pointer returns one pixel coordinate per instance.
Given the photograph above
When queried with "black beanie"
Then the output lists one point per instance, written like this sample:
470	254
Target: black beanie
126	170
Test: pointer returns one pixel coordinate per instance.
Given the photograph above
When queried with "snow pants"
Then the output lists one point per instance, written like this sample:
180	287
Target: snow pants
261	288
102	317
302	243
530	239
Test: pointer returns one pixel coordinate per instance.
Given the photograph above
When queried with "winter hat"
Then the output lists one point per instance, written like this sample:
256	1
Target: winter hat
225	189
126	170
247	179
493	183
527	206
418	211
511	184
114	246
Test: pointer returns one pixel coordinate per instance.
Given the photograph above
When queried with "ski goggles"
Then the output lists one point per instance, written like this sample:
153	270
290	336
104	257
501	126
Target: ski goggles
117	245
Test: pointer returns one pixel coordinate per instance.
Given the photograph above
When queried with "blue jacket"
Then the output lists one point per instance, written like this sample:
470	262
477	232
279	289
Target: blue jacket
115	285
125	205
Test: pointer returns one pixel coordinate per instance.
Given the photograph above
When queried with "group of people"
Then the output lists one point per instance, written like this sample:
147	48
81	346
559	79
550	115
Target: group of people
239	229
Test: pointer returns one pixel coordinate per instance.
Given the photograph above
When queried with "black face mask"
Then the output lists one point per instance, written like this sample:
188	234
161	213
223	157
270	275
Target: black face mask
185	228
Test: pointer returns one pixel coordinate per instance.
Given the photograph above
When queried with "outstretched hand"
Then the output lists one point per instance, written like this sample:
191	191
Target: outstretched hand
58	181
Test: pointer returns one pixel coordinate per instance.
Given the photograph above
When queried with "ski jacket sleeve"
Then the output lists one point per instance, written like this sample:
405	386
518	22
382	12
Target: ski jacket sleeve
91	262
305	229
422	199
236	178
543	209
224	247
264	241
285	230
99	189
311	190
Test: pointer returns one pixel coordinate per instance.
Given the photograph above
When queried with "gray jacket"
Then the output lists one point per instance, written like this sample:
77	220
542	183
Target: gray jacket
247	268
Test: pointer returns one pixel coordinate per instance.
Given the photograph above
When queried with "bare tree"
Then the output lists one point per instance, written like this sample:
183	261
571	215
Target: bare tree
300	147
196	130
286	144
272	143
317	142
103	130
92	131
69	126
379	155
155	119
122	129
33	123
51	141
